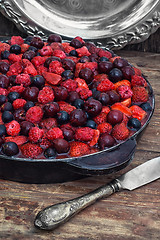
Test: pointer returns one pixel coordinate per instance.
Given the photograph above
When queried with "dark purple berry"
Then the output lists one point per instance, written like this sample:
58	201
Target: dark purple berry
128	72
68	64
29	55
75	43
86	74
146	107
19	115
15	49
7	106
114	117
106	141
67	74
78	117
50	153
103	98
54	38
62	117
68	133
2	99
134	124
28	105
37	42
91	124
60	93
51	59
72	96
113	97
25	127
115	75
73	53
2	130
7	117
105	67
51	109
120	63
61	145
31	94
4	67
83	59
10	148
78	103
5	54
39	81
4	81
13	96
93	107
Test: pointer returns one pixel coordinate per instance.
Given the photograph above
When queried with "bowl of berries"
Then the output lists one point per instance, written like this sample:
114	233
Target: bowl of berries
68	109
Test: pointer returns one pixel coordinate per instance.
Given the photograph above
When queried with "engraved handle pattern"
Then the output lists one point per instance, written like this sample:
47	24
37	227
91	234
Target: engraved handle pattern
53	216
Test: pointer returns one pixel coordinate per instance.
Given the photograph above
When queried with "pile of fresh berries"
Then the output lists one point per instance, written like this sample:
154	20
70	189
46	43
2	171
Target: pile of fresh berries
61	99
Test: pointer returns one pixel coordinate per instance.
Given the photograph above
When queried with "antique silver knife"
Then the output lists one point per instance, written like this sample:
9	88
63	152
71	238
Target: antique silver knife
53	216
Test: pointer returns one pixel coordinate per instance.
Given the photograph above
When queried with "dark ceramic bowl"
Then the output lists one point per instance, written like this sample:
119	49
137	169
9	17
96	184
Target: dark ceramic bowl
68	169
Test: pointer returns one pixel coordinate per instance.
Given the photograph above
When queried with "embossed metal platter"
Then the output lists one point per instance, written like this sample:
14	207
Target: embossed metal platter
109	23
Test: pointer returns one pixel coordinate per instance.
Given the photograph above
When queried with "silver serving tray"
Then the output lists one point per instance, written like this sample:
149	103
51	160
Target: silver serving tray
109	23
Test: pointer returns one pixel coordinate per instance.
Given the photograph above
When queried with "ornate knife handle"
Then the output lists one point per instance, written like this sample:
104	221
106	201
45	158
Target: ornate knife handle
53	216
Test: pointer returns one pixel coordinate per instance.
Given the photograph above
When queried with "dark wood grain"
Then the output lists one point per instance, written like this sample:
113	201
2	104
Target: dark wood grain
126	215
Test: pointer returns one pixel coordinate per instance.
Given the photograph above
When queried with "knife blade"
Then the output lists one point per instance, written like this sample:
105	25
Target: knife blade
53	216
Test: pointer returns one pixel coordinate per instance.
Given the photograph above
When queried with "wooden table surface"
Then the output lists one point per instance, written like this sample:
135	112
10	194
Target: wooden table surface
125	215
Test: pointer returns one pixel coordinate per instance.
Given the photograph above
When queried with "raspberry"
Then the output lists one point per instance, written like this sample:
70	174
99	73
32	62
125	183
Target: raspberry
67	47
85	93
59	53
3	91
46	51
4	46
14	58
78	149
18	89
24	47
120	131
46	95
38	60
35	134
54	133
70	84
41	69
13	128
30	70
138	112
56	46
91	65
56	67
31	150
45	143
105	109
19	140
64	106
83	51
15	69
48	123
23	79
17	40
34	114
140	94
104	53
84	134
105	127
105	85
19	103
52	78
78	69
124	91
101	118
138	81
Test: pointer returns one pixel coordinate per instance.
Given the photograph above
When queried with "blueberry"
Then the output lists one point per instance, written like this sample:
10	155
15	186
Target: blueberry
10	148
50	153
38	81
62	117
7	106
28	105
78	103
2	130
15	49
146	107
104	59
115	75
7	116
28	39
95	93
134	124
13	96
5	54
34	49
2	99
73	53
67	74
91	124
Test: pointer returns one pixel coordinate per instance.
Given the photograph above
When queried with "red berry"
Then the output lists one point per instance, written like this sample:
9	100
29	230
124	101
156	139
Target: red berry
13	128
34	114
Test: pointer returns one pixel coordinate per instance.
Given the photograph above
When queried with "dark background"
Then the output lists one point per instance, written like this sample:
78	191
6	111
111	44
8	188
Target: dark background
152	44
